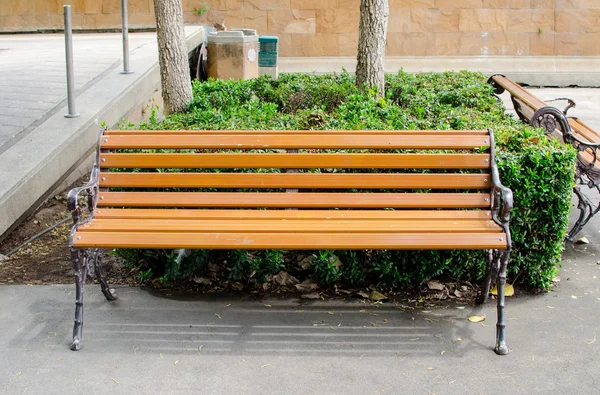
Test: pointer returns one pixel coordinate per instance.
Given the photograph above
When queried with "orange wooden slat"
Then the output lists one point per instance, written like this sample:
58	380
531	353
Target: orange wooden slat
310	141
299	200
291	132
519	92
292	241
583	131
291	226
183	214
297	161
294	180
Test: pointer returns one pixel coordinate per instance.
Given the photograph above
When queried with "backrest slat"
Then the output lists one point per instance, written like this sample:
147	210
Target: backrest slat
285	141
294	161
295	180
297	200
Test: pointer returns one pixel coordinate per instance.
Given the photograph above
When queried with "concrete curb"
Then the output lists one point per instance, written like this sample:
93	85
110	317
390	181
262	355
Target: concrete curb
532	70
61	145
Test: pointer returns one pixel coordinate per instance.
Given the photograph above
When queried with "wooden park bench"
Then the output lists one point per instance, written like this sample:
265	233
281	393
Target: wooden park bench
340	202
569	130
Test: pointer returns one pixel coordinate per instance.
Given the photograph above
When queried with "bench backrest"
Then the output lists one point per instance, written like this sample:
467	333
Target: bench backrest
258	169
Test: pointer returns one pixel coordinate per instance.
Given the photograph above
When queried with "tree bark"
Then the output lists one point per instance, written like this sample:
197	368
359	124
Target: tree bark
371	44
172	56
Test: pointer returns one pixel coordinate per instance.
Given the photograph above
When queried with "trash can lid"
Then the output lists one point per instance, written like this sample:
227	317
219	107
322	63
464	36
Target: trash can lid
268	39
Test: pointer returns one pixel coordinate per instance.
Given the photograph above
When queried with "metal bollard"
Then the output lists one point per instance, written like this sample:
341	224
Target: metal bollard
69	60
125	30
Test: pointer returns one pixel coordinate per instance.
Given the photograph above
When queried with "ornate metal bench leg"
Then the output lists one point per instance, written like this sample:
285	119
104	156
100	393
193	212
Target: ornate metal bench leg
80	258
487	281
501	348
109	294
585	213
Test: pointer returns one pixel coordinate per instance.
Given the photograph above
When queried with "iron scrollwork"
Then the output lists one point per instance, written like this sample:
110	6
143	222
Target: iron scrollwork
87	262
497	260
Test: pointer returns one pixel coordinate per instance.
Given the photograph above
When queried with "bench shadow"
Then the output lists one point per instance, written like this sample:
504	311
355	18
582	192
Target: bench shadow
142	320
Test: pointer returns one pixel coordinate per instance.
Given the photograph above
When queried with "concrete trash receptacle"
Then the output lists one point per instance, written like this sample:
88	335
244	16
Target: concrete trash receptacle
233	54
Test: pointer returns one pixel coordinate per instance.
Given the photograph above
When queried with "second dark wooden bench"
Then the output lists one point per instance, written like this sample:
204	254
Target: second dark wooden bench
569	130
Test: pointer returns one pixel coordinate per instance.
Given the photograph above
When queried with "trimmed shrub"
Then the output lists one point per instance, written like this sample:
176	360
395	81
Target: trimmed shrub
540	171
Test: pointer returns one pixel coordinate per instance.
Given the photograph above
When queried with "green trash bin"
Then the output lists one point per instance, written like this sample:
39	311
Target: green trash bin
267	55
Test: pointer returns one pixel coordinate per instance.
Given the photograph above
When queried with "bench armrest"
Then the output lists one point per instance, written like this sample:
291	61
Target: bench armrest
91	189
571	103
502	197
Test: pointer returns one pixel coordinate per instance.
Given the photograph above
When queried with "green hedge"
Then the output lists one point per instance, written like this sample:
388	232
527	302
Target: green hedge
540	172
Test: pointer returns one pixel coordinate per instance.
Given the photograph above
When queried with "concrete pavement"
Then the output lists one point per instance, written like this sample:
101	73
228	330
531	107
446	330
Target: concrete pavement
148	342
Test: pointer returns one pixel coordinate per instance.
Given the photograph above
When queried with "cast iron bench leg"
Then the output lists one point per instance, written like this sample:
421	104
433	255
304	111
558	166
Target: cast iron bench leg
109	293
83	259
502	260
80	258
489	273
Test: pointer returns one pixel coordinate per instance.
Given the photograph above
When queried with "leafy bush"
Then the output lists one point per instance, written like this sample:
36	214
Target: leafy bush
540	171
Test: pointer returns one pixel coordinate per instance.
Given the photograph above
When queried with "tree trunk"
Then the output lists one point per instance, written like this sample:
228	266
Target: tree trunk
371	44
172	56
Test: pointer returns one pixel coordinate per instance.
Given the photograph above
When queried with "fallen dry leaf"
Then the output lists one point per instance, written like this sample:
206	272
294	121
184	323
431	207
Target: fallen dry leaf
377	296
435	285
477	318
312	295
285	279
509	290
307	286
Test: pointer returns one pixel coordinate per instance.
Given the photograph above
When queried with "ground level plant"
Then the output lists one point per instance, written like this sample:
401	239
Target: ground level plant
540	171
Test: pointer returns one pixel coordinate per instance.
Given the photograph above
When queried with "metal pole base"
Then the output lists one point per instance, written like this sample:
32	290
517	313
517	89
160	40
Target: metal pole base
126	72
72	115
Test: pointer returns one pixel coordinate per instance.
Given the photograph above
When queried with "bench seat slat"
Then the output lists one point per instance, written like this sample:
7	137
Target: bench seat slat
295	180
299	200
309	141
184	214
291	241
292	226
299	161
293	132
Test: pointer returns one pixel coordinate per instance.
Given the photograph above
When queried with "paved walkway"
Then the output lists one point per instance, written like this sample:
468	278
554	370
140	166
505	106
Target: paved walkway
33	77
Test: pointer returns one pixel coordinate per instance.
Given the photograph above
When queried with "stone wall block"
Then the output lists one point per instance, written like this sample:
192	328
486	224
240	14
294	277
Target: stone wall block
560	4
434	20
505	44
325	21
313	4
589	4
537	4
410	44
255	19
292	21
458	3
315	45
411	3
346	20
267	4
458	44
348	44
578	21
541	44
92	7
588	44
400	20
566	44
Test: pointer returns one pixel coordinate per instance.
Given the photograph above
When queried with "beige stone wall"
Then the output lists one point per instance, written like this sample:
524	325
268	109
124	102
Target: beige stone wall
328	27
